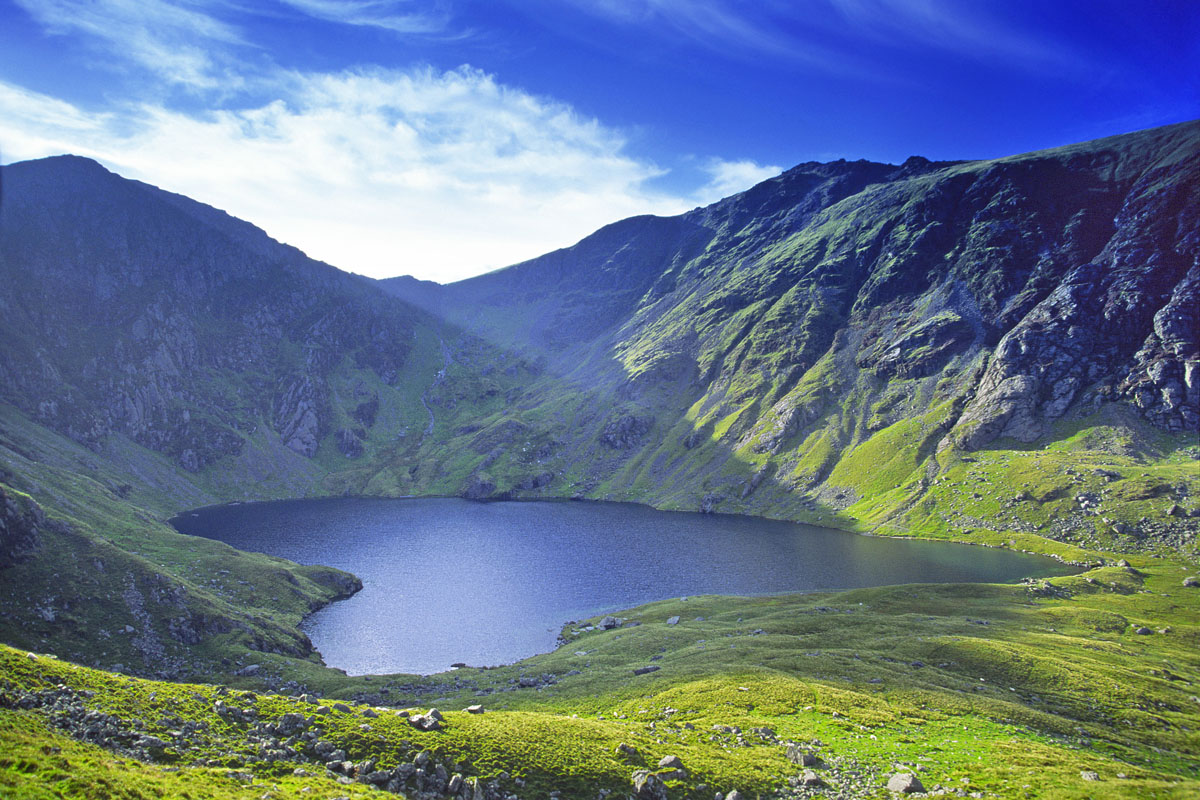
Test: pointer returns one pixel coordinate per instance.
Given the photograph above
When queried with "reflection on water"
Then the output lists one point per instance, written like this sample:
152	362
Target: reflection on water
448	580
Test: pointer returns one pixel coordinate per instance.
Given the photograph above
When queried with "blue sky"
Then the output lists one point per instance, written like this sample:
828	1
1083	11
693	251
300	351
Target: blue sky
443	138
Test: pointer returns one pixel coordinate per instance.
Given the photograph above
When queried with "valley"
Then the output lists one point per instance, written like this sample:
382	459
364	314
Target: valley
1004	353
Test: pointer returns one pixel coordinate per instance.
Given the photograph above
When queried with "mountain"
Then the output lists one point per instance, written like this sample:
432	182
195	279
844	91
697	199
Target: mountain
850	312
1001	352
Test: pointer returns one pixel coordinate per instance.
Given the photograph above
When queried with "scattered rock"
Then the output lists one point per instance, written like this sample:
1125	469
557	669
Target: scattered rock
648	786
1089	775
905	783
1191	581
647	670
675	620
429	721
670	762
1143	631
627	750
475	709
810	778
798	754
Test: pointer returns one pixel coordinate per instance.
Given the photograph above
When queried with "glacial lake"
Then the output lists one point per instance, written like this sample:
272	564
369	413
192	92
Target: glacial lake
448	580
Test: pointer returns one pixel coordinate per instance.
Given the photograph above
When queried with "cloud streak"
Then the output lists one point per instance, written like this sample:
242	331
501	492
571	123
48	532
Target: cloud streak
383	172
175	42
829	35
389	15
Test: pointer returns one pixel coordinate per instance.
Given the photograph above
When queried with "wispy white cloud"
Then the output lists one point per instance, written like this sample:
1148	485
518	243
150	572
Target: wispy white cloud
384	172
972	29
398	16
439	174
730	177
839	35
180	43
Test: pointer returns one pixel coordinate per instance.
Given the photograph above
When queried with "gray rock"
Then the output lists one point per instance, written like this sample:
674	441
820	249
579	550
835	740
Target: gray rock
905	783
810	778
1143	631
648	786
431	721
627	750
475	709
647	670
1191	581
608	623
673	620
670	762
801	755
1088	775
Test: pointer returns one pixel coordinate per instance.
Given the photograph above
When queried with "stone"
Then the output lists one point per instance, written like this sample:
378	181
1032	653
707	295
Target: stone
648	786
800	755
342	707
810	778
670	762
627	750
734	795
426	722
1191	581
1089	775
905	783
608	623
673	620
1143	631
647	670
475	709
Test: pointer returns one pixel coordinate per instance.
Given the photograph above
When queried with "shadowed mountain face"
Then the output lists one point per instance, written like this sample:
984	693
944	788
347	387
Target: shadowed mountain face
129	310
929	348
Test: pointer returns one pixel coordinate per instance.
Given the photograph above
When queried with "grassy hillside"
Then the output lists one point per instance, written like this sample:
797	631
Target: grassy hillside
1002	353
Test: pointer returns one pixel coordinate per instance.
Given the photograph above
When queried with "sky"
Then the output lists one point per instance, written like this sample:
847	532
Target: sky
445	138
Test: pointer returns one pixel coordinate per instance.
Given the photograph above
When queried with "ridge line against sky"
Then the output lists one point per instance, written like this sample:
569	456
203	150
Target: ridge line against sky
445	138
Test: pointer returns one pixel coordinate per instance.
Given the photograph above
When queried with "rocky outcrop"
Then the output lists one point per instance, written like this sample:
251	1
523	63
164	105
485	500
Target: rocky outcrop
1164	381
1081	343
20	519
625	431
297	415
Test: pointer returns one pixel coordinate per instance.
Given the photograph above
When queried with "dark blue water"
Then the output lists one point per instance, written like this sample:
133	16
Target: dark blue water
448	580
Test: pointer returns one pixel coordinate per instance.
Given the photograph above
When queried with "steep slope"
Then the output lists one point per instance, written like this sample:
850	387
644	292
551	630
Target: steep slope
158	355
130	310
853	314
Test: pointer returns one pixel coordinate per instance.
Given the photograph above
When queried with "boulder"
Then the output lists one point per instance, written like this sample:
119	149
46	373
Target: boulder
670	762
802	756
810	778
648	786
905	783
1191	581
431	721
